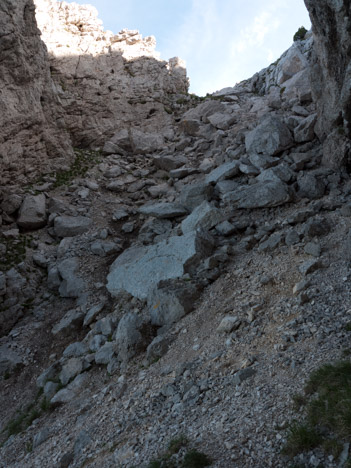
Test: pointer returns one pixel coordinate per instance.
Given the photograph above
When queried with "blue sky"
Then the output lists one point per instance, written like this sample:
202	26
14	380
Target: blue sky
222	41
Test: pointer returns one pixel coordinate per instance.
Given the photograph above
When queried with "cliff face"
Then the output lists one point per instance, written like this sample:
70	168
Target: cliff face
107	82
32	132
331	76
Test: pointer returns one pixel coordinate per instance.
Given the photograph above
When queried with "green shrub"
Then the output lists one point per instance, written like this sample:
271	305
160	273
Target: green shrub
300	34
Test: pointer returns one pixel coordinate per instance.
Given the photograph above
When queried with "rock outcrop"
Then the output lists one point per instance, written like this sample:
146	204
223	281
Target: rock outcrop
331	77
108	82
33	138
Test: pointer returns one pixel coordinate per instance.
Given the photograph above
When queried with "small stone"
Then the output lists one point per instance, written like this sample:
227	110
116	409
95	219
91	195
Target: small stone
242	375
228	324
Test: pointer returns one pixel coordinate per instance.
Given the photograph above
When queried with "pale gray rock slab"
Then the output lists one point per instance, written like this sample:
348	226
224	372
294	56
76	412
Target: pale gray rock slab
204	216
75	350
145	142
71	285
105	353
222	121
228	324
32	214
260	195
71	369
70	226
281	172
271	243
249	169
305	130
72	319
193	195
171	300
138	269
225	171
164	210
270	137
92	313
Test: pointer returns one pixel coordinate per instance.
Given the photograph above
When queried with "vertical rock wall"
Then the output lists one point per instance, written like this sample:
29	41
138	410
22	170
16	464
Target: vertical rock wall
331	76
32	130
107	82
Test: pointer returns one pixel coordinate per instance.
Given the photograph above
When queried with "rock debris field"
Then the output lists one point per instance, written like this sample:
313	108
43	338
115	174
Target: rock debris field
178	290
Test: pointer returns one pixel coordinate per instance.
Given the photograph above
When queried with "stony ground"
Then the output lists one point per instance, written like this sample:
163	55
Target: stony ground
275	300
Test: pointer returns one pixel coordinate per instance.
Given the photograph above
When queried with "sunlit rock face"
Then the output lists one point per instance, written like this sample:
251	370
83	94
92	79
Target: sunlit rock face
331	76
32	131
106	81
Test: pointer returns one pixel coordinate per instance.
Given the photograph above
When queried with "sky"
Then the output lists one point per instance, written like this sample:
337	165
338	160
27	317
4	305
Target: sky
222	41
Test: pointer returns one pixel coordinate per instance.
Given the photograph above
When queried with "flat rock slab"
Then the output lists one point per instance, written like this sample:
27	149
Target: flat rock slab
164	210
70	226
32	214
260	195
225	171
139	269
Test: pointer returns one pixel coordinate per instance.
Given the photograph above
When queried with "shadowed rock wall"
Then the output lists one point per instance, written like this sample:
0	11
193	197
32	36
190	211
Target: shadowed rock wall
32	131
331	76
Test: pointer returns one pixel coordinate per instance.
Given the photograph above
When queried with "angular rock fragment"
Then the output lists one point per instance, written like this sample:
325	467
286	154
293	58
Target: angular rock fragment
270	137
138	269
171	300
32	214
69	226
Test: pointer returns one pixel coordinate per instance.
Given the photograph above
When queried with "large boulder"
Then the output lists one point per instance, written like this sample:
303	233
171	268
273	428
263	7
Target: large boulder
32	214
138	269
270	137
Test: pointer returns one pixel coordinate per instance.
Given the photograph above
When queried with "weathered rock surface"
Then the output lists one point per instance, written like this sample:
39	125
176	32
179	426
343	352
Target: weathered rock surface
260	195
112	81
32	135
170	300
32	214
138	269
270	137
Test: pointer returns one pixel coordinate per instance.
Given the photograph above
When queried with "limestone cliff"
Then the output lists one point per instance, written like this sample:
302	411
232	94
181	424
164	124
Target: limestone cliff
107	82
32	131
331	76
